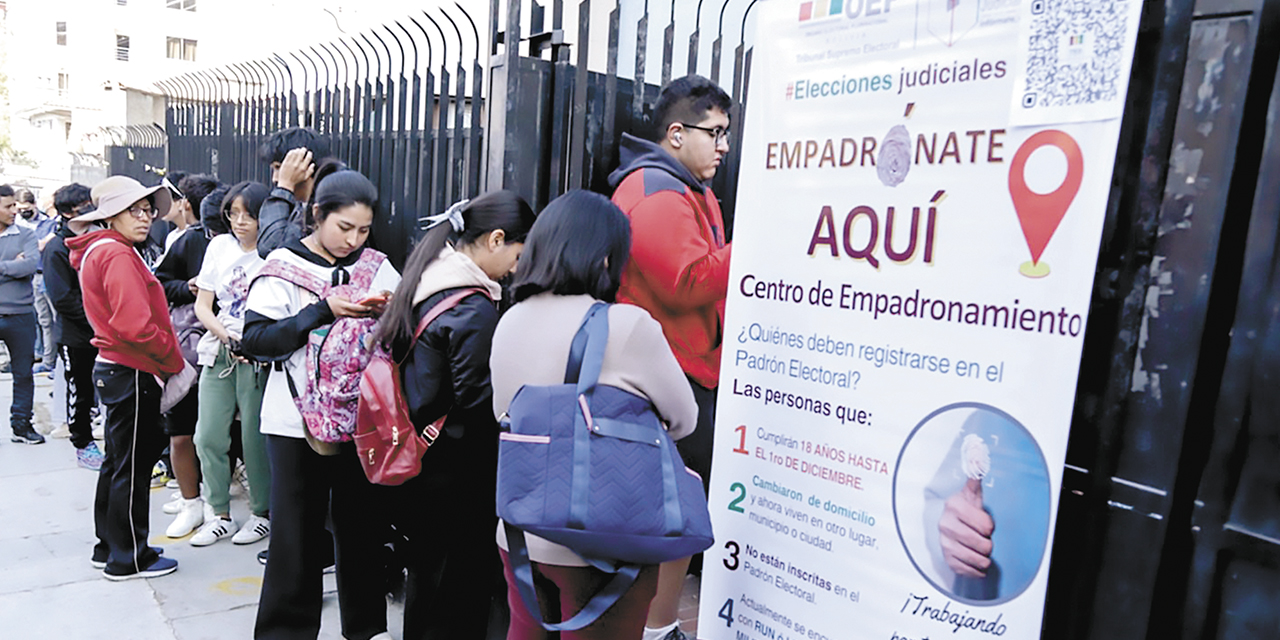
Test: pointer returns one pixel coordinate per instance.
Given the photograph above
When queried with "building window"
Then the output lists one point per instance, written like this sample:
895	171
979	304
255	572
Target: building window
64	84
181	5
62	34
180	49
122	48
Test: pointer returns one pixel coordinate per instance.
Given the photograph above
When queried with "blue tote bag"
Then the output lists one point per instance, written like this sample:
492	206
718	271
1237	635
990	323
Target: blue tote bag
591	467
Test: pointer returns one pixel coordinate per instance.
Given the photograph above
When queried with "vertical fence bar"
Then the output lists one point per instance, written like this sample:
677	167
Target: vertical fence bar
578	120
609	128
637	87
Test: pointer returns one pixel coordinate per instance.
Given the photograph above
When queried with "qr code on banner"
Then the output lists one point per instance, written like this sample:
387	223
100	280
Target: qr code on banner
1077	52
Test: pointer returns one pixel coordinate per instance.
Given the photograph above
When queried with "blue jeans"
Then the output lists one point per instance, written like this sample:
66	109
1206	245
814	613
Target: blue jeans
18	332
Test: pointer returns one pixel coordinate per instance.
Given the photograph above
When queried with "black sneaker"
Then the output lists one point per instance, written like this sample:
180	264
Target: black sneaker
25	434
102	564
161	567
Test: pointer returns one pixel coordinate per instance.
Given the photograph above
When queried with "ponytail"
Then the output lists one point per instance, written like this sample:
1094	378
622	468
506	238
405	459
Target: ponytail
479	217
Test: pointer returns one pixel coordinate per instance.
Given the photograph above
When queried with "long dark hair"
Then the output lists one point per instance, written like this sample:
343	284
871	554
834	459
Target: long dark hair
481	216
569	246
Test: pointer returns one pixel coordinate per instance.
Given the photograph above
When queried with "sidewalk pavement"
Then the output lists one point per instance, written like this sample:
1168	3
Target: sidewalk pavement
49	590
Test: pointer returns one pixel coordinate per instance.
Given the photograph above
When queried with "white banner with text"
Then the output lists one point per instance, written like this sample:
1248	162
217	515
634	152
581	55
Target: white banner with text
922	196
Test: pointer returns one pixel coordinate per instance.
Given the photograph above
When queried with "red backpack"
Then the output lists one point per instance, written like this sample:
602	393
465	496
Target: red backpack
389	447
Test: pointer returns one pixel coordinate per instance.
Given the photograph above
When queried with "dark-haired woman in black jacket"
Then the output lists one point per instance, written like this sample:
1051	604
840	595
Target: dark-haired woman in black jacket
445	372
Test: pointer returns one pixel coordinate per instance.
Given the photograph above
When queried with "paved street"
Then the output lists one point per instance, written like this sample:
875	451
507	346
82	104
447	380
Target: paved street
48	589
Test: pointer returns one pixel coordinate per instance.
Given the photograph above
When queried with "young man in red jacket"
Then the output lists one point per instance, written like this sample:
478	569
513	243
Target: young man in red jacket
679	266
137	353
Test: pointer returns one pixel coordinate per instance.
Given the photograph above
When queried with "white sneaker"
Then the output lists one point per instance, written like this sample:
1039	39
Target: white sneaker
174	505
213	531
254	529
190	516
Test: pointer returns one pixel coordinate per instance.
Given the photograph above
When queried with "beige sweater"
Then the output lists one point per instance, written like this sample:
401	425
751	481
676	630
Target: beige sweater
531	346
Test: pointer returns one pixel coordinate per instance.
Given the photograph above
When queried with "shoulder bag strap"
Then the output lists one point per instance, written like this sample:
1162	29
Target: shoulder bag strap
594	335
606	597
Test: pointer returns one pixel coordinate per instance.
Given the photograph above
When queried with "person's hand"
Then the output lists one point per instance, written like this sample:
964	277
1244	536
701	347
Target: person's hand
965	532
20	256
344	308
191	284
296	169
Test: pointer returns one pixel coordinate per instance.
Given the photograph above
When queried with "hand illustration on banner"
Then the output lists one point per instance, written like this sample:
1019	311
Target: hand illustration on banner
977	527
1040	214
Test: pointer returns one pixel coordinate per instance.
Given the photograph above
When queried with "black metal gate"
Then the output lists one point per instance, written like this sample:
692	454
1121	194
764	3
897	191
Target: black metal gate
137	151
401	103
1170	509
1170	514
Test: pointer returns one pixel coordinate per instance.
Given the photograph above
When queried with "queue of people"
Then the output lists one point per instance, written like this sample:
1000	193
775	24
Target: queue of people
218	349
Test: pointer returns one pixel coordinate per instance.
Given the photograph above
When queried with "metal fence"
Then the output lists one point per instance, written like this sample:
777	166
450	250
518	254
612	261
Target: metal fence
401	103
137	151
561	121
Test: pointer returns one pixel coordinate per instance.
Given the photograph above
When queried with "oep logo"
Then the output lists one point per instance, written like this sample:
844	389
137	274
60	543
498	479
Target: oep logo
822	10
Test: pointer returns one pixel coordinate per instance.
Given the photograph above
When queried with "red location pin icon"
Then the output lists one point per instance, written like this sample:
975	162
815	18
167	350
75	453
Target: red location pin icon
1039	213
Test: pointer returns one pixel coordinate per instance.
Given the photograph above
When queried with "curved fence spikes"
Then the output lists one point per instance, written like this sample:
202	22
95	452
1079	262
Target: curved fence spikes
425	37
444	55
269	78
412	42
461	46
720	27
388	52
356	60
338	81
325	64
376	57
475	33
404	63
369	69
306	85
742	38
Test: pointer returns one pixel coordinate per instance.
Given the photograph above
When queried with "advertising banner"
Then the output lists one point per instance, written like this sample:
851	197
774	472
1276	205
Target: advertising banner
922	195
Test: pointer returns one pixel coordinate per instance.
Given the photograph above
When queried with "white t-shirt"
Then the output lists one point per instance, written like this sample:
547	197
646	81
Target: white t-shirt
226	271
278	299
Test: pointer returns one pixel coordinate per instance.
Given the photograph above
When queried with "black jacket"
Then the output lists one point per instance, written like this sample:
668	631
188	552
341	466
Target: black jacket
448	370
62	283
281	221
182	263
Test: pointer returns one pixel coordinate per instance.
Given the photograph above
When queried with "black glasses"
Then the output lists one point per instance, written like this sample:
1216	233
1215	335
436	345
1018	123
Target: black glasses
720	134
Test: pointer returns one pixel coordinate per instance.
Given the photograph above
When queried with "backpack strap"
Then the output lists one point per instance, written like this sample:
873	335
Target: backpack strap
277	268
96	243
439	309
366	268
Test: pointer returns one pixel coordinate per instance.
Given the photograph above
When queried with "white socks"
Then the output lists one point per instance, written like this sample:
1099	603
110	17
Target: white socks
659	634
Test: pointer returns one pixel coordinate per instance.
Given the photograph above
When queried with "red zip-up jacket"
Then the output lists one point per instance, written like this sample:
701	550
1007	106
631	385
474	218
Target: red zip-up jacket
679	266
125	305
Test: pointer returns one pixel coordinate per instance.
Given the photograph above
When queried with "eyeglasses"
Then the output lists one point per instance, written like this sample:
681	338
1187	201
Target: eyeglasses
141	211
720	134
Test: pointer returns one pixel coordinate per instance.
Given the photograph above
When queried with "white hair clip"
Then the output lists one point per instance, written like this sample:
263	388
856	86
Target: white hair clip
453	215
